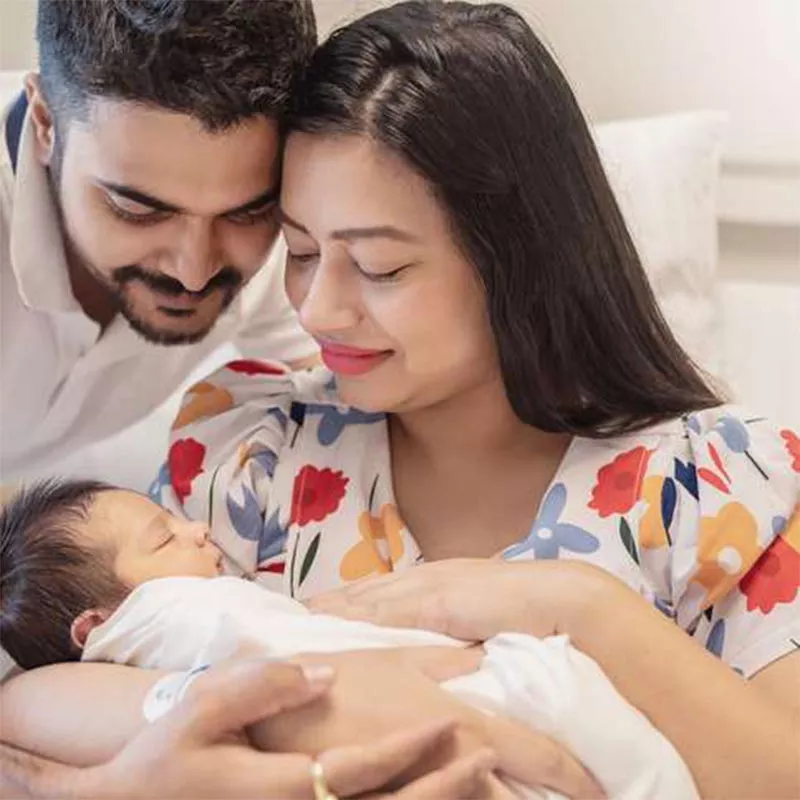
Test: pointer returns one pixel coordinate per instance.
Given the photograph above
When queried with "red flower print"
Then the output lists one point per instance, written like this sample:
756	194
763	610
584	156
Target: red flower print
185	461
252	367
774	578
619	484
316	493
793	446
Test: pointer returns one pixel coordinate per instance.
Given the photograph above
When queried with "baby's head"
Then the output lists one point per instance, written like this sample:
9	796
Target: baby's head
71	552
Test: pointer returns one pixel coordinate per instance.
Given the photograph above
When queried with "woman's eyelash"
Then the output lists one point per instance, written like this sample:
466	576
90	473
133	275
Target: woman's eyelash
382	277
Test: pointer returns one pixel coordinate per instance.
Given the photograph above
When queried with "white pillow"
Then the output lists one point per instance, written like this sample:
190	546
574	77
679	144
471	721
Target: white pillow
664	172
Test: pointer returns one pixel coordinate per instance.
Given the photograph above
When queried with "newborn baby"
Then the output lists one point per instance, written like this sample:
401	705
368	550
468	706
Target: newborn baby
88	571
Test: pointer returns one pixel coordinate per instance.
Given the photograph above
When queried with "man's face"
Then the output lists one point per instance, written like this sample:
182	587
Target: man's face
172	220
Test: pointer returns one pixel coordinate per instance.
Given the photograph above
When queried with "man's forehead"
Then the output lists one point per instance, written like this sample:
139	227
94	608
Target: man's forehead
174	158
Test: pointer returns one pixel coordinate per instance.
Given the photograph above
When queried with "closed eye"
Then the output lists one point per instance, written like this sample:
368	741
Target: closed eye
165	541
383	277
253	215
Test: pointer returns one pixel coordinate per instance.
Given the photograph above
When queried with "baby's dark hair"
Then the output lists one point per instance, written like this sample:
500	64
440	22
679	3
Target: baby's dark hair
48	576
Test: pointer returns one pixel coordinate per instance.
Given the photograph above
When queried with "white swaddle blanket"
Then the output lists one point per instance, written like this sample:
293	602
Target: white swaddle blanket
179	623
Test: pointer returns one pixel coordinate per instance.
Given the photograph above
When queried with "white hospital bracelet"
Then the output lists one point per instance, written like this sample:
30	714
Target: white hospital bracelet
168	691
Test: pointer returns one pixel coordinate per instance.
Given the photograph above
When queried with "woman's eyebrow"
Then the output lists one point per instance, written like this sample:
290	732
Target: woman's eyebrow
350	234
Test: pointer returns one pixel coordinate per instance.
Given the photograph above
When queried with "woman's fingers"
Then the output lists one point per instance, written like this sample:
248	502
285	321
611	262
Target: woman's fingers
537	760
362	768
465	777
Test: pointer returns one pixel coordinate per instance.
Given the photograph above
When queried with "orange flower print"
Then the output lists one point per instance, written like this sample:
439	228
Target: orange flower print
793	446
619	484
727	549
652	531
203	400
775	578
380	548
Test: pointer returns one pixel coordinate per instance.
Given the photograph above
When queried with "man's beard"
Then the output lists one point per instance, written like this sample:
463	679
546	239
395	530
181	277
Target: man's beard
228	281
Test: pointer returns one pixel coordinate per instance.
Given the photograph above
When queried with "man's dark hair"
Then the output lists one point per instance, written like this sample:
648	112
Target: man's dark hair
469	97
47	576
219	61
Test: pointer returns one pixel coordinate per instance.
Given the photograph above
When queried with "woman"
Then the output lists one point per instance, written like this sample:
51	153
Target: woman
504	383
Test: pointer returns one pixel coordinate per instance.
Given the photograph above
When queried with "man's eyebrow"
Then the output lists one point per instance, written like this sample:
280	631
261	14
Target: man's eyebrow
140	197
349	234
137	196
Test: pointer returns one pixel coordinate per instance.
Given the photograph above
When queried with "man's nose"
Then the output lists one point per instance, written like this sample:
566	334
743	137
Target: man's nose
197	256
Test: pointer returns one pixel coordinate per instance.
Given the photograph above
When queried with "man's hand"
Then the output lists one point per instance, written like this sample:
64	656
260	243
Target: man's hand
196	750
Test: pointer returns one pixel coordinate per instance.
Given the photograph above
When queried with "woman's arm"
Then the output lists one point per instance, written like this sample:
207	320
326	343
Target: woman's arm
733	735
736	740
78	714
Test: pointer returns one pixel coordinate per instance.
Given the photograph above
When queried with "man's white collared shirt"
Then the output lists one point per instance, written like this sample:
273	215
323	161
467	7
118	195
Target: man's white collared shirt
73	401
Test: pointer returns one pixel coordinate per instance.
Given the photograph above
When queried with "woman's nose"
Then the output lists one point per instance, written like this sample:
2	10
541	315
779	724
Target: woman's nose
330	304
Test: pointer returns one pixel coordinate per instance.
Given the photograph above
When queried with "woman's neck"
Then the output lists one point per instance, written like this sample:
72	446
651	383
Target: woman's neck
475	447
476	423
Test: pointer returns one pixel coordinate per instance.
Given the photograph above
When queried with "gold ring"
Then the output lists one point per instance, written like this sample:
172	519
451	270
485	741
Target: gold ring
321	790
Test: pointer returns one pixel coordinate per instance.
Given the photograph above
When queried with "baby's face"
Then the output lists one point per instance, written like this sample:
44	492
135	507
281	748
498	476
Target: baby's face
149	542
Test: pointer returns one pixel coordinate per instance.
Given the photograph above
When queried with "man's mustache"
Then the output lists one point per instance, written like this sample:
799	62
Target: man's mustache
227	278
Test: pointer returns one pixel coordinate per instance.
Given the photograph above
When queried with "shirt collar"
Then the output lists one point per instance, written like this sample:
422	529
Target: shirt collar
37	243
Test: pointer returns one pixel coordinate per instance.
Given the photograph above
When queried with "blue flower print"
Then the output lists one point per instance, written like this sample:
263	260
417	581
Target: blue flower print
161	482
273	538
686	475
548	535
693	424
267	460
734	434
335	420
716	639
248	523
245	517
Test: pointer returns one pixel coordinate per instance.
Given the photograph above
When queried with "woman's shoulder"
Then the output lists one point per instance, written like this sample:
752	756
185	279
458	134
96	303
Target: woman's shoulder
716	456
253	388
701	513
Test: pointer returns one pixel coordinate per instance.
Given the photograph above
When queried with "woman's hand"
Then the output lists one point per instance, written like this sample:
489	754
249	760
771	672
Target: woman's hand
196	750
475	599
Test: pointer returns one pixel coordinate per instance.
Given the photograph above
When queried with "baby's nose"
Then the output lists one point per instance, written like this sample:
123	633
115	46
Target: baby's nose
199	533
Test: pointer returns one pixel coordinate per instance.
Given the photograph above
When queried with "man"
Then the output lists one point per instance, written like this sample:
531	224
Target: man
138	176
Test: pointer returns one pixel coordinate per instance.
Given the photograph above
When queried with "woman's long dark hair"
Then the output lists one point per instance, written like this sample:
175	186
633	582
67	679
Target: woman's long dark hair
472	101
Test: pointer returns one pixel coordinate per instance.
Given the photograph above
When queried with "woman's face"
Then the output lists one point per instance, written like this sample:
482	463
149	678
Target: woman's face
377	279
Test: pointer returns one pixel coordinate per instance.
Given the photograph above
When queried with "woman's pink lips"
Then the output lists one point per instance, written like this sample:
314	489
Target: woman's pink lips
351	360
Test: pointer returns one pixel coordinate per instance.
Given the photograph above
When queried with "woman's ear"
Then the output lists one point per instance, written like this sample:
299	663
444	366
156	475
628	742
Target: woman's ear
85	623
41	118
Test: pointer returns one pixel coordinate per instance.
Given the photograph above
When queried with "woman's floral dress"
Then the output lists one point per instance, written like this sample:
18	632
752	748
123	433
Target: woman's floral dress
701	514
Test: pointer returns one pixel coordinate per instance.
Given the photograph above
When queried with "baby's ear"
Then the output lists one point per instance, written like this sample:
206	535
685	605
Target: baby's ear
85	623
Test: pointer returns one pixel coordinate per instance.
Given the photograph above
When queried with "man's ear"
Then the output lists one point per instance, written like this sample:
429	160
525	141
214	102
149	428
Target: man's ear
85	623
41	118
